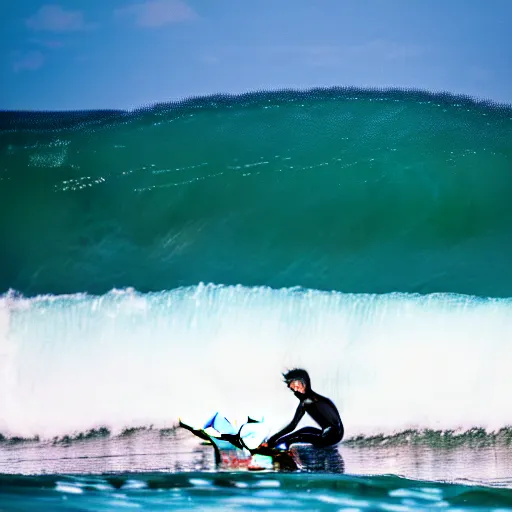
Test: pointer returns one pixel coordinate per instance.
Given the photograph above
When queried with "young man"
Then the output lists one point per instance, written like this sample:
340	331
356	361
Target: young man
320	408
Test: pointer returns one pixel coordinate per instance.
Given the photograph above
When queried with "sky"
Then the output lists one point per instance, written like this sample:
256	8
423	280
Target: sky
124	54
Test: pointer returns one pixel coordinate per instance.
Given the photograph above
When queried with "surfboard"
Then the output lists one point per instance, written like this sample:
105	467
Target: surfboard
231	453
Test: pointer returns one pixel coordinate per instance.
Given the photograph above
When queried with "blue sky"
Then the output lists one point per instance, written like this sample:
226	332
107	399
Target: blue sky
82	54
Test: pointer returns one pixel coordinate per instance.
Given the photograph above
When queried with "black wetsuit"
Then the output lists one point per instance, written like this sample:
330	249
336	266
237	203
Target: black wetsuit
323	411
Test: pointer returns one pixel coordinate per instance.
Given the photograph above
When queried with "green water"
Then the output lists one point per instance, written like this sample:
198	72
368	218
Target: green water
353	190
237	491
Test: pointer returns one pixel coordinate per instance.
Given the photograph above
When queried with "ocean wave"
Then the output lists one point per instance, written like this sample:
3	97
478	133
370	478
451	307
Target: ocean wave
126	359
357	190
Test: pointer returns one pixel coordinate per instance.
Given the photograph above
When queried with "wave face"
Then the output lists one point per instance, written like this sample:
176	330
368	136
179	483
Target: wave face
390	362
353	190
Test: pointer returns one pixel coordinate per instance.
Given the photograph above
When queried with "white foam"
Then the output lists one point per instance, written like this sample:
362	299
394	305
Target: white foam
390	362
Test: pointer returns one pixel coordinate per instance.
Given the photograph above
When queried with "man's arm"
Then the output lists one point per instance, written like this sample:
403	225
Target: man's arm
299	413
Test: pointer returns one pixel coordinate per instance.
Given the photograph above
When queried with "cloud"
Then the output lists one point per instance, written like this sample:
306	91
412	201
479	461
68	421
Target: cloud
209	59
156	13
28	61
53	18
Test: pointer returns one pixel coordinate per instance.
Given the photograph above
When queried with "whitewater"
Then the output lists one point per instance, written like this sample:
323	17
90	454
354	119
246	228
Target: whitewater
174	260
392	362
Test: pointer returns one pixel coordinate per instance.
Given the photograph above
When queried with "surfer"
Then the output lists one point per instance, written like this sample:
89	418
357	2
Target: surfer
320	408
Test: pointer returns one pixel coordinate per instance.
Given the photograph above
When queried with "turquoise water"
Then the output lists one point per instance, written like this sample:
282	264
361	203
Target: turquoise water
345	189
221	491
175	259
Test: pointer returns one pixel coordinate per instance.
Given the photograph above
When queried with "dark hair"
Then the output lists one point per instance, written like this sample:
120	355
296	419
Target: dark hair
297	374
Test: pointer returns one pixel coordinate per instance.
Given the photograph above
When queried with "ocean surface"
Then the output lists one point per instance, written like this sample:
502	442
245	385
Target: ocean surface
172	261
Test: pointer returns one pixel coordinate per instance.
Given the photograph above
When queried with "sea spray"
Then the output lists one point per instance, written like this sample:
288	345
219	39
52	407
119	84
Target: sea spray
124	359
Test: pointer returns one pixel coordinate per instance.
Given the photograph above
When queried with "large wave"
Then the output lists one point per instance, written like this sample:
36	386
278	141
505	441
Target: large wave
391	362
347	189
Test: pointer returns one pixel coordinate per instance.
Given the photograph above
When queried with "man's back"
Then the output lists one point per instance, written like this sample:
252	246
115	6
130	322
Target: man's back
322	410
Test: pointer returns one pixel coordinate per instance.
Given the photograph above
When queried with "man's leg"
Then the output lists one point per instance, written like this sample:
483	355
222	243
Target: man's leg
310	435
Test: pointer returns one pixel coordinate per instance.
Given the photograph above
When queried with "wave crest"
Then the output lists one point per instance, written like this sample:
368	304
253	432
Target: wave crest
127	359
